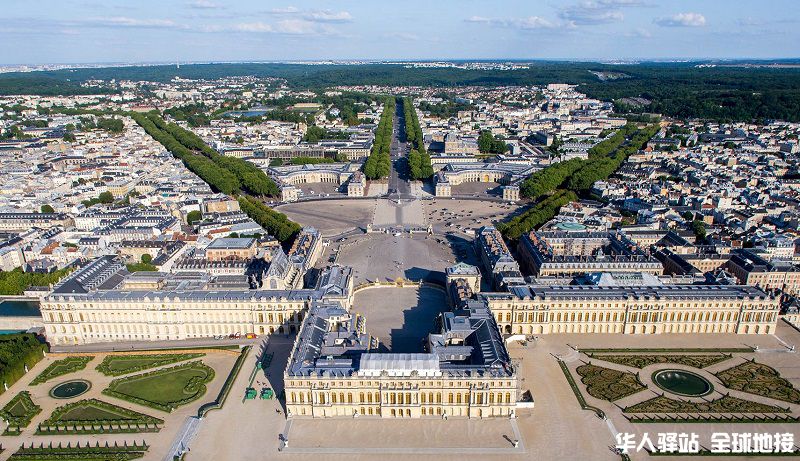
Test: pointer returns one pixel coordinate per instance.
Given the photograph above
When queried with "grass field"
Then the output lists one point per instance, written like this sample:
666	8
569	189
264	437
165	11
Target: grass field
164	389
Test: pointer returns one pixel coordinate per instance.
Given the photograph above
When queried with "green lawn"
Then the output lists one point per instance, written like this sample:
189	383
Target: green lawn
116	365
62	367
164	389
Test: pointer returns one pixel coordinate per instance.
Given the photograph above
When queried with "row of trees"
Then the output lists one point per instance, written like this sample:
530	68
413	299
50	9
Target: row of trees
15	282
419	164
17	351
215	176
277	224
419	161
379	163
574	176
536	215
548	179
600	167
412	128
225	174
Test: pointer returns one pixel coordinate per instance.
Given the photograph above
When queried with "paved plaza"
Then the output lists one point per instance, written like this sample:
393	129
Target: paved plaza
400	318
386	257
331	217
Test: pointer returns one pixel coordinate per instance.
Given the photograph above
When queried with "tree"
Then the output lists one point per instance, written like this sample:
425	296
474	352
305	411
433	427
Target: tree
69	136
193	216
47	209
106	197
147	258
314	134
488	144
699	229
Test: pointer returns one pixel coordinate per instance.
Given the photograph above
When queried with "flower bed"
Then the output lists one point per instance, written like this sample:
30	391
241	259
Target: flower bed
607	384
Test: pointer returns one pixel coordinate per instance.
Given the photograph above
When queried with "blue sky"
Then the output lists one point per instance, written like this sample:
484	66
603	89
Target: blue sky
86	31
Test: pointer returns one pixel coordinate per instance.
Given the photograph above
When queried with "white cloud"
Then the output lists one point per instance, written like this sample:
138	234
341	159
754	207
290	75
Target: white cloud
529	23
328	16
249	27
313	15
204	5
285	10
123	21
286	27
682	20
594	12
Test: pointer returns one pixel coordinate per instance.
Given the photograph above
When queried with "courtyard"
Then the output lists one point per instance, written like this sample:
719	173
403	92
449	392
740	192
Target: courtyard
386	257
401	318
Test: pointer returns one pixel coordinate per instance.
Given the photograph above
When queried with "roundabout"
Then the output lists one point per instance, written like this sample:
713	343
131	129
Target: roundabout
682	382
70	389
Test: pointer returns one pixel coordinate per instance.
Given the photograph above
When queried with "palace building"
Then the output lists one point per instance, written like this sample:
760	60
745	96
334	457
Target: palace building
465	371
634	309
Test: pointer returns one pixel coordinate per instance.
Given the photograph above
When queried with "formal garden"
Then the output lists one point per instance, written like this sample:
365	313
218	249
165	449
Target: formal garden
19	412
117	365
164	389
682	395
644	360
607	384
92	416
759	379
62	367
80	452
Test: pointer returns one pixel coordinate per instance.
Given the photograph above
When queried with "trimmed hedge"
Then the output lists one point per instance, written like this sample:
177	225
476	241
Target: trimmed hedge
19	412
641	361
724	404
194	388
607	384
226	388
62	367
80	452
578	395
108	366
127	421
